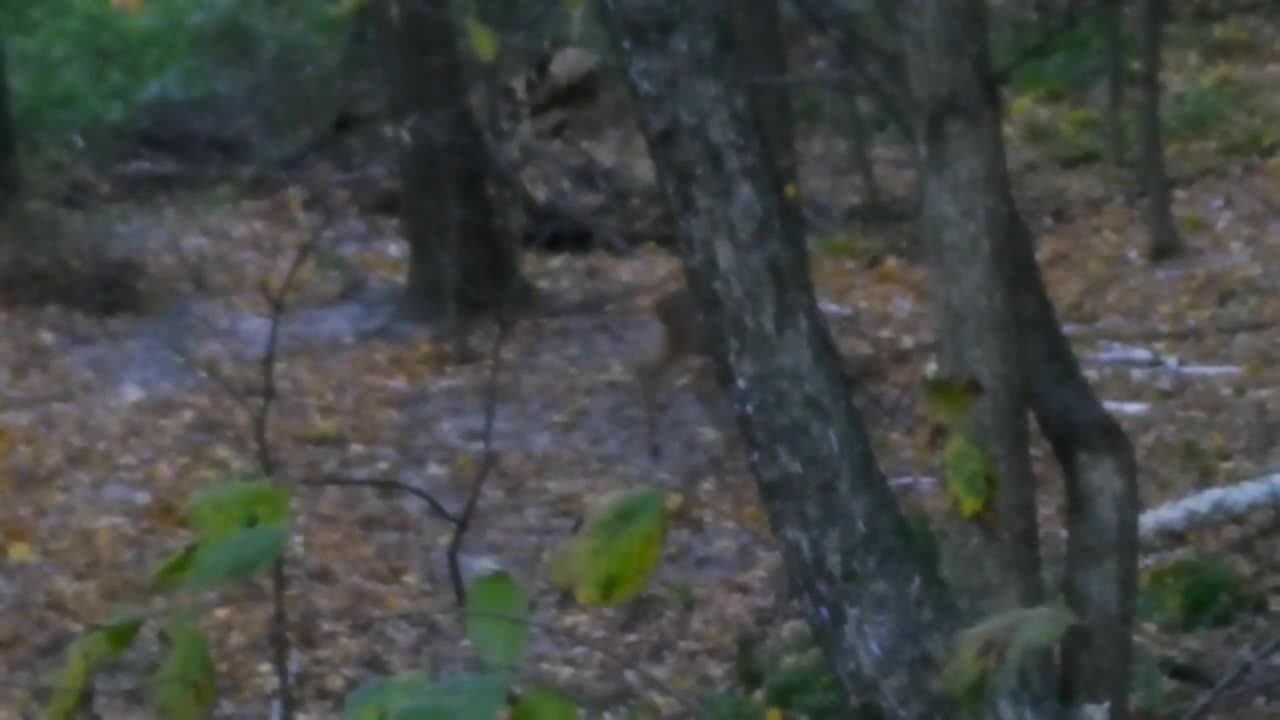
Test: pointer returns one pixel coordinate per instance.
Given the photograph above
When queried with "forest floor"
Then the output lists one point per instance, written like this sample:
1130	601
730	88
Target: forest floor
109	426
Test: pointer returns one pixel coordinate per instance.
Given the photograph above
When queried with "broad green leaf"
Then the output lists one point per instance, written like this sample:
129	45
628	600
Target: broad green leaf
236	505
544	703
618	549
72	680
175	569
988	656
947	399
970	479
479	697
375	699
483	40
236	557
84	658
495	619
183	687
119	634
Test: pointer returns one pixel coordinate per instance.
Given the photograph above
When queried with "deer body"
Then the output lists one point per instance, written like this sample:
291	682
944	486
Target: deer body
683	338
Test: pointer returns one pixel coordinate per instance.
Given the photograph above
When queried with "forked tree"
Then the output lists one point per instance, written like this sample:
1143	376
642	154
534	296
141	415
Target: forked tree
883	614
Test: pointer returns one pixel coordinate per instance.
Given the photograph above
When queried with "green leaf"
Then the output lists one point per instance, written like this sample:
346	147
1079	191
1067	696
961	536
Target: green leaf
988	656
480	697
544	703
237	505
236	557
71	682
175	570
483	40
970	479
618	549
375	699
84	658
948	398
495	618
119	634
183	687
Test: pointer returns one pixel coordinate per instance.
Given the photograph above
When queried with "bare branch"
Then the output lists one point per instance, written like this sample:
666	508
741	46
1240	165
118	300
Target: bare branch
488	460
436	506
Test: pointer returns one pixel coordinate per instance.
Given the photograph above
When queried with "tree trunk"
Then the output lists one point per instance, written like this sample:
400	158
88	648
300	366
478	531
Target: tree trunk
879	610
10	175
964	203
862	145
1164	241
758	24
459	261
962	147
1111	14
1102	490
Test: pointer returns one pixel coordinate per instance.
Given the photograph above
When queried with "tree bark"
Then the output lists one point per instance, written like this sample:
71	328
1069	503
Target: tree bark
964	203
10	174
758	24
459	262
1111	14
962	147
1102	490
879	610
1164	241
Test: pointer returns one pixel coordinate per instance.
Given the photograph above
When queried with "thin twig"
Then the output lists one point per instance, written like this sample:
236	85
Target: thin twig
436	506
1205	702
276	302
487	462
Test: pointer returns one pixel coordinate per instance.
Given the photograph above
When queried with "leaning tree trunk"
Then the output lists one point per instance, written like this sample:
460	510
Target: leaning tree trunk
964	203
880	611
1163	239
10	175
459	261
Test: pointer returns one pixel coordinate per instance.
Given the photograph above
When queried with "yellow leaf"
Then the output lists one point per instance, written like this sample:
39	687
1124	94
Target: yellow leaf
20	552
970	479
790	191
464	465
773	714
617	551
483	40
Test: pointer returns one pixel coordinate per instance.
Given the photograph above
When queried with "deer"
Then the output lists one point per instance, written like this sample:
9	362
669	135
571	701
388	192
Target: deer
684	338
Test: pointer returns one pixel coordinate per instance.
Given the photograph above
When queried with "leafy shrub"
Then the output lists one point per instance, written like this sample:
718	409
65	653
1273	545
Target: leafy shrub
1073	62
1196	592
1203	105
82	67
